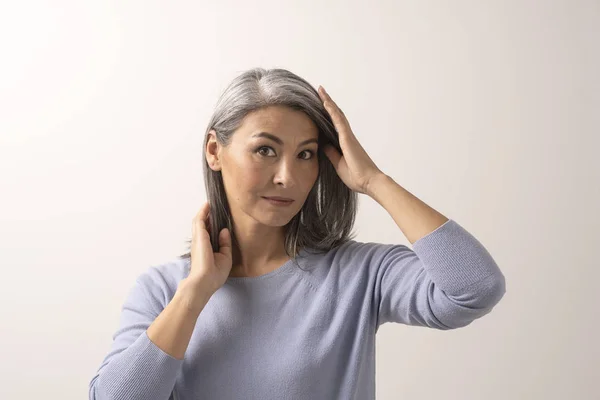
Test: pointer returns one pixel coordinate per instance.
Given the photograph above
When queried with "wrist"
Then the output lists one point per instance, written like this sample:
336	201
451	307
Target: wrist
375	183
193	295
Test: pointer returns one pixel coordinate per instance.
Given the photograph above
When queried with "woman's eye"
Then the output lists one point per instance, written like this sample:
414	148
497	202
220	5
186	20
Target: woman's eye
261	148
262	152
309	152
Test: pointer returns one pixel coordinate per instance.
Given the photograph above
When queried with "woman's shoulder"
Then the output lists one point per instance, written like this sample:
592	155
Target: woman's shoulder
353	254
162	279
356	250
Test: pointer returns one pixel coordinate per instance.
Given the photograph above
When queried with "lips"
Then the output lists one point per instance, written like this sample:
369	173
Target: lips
279	198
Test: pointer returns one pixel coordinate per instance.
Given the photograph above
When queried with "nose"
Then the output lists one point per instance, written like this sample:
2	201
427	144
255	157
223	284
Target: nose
284	174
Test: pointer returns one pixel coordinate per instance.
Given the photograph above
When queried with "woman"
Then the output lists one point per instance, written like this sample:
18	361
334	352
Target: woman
275	300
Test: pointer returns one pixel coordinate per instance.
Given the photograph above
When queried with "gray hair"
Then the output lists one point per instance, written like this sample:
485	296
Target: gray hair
327	216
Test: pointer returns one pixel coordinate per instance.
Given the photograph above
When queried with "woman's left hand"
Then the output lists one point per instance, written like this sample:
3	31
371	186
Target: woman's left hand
354	167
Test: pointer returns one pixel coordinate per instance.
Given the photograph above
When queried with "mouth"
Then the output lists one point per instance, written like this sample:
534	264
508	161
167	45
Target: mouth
279	200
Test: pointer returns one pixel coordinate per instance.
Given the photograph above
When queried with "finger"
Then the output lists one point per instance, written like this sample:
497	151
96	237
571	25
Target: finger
339	119
337	115
327	100
225	242
202	234
333	155
201	211
321	92
200	218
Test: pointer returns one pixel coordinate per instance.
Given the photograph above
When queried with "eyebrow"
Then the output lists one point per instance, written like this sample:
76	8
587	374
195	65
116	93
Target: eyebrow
279	141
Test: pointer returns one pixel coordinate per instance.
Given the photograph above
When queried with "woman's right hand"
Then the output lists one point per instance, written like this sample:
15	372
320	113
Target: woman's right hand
208	270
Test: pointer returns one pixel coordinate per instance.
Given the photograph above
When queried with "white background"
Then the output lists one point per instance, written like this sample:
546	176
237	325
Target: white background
489	111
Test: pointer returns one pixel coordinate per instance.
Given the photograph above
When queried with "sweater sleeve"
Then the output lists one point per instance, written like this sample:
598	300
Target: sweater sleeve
135	368
446	282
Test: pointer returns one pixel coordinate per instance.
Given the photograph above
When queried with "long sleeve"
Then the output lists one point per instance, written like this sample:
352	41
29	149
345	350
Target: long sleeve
135	368
446	282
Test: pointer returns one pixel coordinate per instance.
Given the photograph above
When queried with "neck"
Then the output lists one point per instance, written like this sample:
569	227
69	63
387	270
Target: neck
254	252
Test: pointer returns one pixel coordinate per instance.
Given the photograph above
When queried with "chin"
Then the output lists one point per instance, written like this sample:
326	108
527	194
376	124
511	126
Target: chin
274	219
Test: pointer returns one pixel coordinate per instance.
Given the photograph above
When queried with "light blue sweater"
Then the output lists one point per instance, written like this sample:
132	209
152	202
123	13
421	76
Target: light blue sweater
294	334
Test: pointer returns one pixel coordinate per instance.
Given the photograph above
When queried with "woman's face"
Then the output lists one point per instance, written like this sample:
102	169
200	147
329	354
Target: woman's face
273	153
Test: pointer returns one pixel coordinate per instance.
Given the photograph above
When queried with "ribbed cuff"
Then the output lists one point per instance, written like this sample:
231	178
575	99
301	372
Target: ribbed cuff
454	258
143	371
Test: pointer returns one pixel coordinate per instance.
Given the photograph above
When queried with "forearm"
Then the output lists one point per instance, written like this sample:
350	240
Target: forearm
147	367
414	218
172	330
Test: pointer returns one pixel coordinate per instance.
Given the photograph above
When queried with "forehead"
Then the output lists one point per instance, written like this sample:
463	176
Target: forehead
281	121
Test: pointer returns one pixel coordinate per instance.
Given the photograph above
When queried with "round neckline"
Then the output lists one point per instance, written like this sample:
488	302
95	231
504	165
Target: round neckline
286	266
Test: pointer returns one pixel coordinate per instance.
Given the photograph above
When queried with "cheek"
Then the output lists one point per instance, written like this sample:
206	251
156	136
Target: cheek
253	175
311	178
244	177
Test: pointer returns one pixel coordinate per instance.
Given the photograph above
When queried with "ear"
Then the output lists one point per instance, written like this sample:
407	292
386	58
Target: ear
213	151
